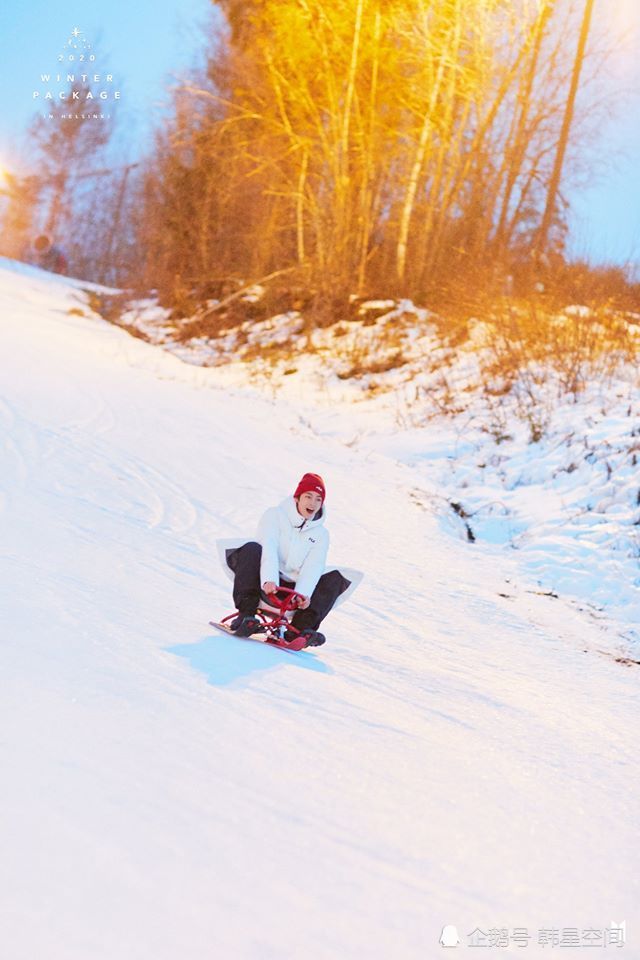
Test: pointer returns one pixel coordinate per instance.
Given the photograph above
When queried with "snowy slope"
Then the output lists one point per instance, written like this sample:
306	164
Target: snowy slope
451	756
526	463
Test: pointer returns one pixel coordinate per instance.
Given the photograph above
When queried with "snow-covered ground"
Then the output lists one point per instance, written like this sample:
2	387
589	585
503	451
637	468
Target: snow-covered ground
458	753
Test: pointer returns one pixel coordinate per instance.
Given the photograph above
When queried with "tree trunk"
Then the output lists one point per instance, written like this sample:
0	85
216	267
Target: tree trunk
518	149
554	183
416	167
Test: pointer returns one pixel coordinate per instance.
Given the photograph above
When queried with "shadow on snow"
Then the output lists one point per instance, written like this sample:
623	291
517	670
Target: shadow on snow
224	660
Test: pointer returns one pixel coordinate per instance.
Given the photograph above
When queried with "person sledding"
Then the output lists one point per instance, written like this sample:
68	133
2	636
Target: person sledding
290	551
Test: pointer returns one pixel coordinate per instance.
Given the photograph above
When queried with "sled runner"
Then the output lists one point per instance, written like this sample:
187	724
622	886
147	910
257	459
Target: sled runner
274	623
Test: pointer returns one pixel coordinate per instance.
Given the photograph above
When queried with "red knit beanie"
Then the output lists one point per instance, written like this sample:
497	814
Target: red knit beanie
311	482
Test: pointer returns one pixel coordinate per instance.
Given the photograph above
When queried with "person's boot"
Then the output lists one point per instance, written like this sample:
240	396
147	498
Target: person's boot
245	624
312	637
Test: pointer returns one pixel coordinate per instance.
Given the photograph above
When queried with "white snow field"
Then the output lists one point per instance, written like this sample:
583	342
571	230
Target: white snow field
458	753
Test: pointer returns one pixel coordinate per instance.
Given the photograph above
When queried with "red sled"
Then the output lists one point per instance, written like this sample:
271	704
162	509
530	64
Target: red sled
274	622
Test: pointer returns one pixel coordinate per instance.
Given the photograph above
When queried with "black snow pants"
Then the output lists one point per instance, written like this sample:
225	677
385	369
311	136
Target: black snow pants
245	563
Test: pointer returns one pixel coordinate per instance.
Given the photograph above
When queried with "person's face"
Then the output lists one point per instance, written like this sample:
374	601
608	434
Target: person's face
308	504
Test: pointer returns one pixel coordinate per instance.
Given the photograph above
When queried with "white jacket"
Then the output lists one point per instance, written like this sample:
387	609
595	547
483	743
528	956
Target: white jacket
293	547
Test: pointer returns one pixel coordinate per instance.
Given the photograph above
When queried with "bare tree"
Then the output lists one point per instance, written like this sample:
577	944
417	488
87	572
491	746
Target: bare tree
563	140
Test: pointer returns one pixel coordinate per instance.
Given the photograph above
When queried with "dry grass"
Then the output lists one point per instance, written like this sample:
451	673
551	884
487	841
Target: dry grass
579	346
366	365
537	356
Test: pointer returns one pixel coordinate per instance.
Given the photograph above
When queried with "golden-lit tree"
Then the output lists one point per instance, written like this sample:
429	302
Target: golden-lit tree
322	110
362	143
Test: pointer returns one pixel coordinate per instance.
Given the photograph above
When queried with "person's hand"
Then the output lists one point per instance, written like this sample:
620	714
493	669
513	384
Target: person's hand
303	603
269	587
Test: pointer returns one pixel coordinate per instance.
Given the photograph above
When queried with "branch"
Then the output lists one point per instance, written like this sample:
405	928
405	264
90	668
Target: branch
238	293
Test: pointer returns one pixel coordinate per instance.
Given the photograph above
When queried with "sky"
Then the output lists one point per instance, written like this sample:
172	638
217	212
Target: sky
606	220
143	44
